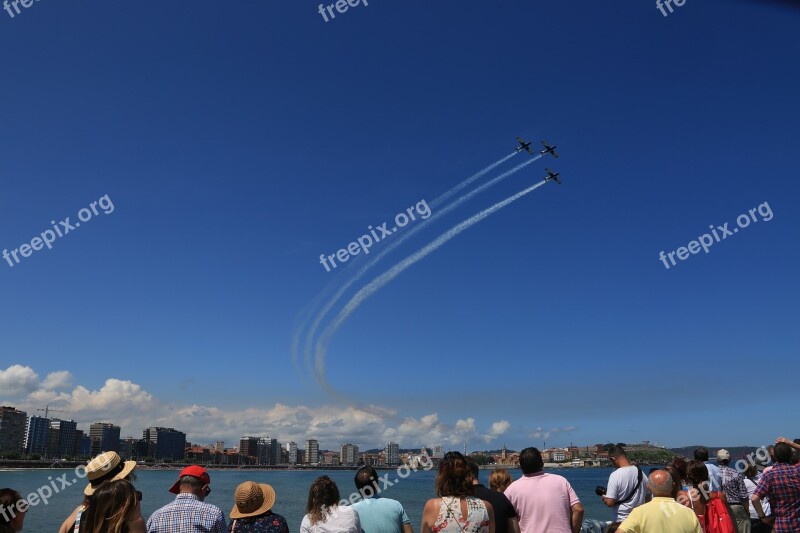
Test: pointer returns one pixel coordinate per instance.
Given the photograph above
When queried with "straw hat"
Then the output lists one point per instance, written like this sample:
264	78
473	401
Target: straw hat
106	467
252	499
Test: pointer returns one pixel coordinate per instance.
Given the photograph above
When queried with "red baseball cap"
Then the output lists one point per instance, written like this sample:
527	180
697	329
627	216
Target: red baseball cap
195	471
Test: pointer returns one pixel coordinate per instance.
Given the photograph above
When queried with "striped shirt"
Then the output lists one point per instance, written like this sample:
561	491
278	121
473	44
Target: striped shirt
187	514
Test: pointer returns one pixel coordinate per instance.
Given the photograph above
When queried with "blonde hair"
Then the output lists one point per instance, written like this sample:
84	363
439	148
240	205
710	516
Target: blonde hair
500	479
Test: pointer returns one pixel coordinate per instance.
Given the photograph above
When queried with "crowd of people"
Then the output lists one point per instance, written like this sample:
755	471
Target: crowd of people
695	496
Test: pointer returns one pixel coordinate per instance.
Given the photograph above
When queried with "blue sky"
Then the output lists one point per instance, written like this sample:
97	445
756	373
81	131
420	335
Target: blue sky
239	142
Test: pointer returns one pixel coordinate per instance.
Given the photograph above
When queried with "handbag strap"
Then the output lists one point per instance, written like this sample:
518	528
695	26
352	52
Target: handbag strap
635	489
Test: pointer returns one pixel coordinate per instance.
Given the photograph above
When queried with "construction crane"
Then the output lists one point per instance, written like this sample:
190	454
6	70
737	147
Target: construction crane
47	411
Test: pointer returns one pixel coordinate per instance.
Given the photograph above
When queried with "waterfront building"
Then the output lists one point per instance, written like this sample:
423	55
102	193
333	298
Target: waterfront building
12	429
165	443
393	454
263	450
249	449
275	452
104	438
36	435
348	455
292	449
62	438
312	452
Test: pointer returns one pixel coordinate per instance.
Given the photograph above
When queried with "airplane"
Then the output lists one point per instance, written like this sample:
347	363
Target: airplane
524	145
552	176
549	149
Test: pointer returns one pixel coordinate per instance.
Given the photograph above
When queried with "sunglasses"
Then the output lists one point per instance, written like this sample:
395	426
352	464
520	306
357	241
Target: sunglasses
138	495
207	490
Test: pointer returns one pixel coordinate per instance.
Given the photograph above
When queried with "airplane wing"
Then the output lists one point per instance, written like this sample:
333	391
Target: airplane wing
521	140
528	148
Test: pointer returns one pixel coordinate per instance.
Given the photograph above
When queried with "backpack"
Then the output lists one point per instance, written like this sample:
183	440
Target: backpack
717	518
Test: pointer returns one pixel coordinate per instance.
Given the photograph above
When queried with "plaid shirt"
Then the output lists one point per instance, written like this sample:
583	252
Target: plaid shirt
187	514
732	485
782	486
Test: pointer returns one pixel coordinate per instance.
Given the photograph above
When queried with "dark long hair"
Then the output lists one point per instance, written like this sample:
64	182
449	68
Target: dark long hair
323	497
8	500
697	475
454	477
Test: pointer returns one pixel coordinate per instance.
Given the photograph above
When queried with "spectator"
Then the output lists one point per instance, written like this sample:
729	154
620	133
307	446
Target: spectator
376	514
663	513
701	454
679	464
456	510
542	501
112	506
732	483
252	510
12	511
627	485
188	513
500	479
323	512
782	486
107	466
751	482
505	518
698	495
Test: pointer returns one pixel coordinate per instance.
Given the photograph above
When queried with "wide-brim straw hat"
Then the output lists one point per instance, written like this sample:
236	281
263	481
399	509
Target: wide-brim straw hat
106	467
252	499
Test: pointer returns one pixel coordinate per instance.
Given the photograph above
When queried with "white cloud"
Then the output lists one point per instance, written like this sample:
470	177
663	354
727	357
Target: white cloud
17	381
130	406
57	380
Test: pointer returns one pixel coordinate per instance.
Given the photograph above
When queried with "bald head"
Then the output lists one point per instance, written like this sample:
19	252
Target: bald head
661	484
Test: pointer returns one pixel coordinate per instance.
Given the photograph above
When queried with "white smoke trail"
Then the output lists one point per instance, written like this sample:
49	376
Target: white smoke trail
472	178
298	330
380	281
397	242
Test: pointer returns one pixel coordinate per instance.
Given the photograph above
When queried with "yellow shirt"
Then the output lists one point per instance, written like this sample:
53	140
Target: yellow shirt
662	515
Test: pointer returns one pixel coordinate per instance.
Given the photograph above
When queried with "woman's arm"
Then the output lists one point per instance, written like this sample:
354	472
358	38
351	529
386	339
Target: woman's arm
490	511
429	514
67	525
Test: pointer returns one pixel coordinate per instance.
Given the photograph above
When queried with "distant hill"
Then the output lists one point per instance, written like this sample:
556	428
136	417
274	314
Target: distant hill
737	452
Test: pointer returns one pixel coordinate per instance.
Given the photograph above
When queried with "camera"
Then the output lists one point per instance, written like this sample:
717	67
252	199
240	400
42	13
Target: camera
600	490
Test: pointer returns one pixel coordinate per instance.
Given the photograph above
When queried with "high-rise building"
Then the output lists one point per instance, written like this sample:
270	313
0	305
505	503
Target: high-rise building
312	451
275	452
104	438
219	446
292	449
438	451
36	435
263	451
392	454
165	443
12	429
301	456
349	455
248	447
62	438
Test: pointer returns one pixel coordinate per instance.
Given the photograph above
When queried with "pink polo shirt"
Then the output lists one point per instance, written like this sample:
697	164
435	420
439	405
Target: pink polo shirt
543	502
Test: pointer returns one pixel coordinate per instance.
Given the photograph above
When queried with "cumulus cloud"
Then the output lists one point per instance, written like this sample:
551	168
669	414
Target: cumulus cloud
18	380
130	406
497	429
540	433
57	380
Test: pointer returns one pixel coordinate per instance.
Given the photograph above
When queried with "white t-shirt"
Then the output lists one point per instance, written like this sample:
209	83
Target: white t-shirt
620	485
344	519
751	488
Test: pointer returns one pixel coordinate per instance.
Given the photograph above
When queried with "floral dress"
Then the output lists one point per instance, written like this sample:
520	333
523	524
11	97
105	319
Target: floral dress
450	520
268	523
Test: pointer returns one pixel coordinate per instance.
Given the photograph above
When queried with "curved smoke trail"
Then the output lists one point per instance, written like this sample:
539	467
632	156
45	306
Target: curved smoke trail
298	329
380	281
402	238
